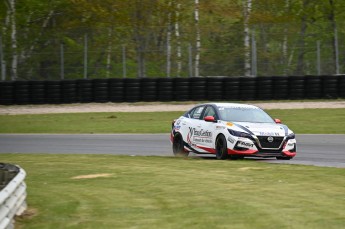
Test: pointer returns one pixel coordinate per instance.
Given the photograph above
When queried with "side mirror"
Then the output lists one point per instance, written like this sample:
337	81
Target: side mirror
210	119
278	121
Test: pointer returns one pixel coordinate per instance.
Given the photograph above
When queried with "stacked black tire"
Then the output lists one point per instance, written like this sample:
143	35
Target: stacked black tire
341	86
264	88
313	87
148	90
330	87
214	89
116	90
69	91
100	90
182	90
132	90
248	88
7	93
53	92
22	92
172	89
197	88
296	87
165	90
280	88
85	91
231	88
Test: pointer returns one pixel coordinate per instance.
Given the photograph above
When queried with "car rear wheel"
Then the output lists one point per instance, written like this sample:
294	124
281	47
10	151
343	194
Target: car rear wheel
221	148
178	148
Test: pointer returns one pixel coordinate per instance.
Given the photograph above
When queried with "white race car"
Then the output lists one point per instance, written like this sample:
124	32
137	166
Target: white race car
231	130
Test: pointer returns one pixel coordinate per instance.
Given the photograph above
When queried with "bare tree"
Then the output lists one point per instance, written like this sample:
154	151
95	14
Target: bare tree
247	6
12	7
178	39
198	39
331	18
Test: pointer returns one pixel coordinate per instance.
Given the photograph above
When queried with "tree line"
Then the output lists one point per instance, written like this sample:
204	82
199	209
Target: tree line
170	38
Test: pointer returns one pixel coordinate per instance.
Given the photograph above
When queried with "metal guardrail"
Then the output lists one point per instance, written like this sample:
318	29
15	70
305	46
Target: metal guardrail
12	195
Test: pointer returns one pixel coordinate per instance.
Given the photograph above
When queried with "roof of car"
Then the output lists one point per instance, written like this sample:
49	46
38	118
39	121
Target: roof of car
234	105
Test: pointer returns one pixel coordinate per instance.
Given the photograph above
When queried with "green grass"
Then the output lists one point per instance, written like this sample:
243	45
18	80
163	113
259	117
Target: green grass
317	121
165	192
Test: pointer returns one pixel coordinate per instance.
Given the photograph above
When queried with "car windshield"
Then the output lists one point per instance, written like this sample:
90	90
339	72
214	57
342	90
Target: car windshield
244	114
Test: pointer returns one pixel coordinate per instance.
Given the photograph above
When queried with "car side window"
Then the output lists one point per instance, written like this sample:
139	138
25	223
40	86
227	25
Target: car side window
210	112
196	112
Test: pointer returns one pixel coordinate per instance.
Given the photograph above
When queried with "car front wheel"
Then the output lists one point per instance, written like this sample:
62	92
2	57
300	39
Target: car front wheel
178	148
221	148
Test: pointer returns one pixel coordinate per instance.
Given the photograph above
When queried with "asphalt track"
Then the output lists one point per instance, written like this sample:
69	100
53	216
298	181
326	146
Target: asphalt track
319	150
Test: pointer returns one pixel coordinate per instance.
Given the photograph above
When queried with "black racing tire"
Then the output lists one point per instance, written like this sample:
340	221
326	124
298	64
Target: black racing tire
178	147
284	158
221	148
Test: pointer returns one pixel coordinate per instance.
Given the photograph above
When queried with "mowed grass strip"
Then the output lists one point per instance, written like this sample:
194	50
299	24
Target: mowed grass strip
302	121
105	191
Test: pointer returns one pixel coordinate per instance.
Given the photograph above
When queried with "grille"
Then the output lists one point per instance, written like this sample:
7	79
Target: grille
270	145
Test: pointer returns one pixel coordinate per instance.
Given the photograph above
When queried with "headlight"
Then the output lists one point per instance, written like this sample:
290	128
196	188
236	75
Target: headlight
239	134
290	136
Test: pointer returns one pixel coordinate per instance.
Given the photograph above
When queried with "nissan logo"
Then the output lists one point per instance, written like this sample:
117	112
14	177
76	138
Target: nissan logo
270	139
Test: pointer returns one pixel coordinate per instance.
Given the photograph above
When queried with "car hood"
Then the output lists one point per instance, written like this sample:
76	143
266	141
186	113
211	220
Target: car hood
263	129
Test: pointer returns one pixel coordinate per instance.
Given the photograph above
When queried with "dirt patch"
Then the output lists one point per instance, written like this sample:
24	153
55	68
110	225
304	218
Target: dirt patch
148	107
91	176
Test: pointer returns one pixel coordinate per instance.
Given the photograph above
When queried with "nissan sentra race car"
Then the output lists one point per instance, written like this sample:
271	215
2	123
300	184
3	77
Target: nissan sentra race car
231	130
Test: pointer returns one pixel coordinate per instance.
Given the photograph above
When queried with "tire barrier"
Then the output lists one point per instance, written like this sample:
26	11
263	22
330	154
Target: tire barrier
69	91
132	90
172	89
197	88
148	90
53	92
7	93
214	89
165	89
85	91
296	87
280	88
264	88
231	88
182	91
12	194
248	88
116	90
313	89
100	90
330	87
341	87
21	92
37	92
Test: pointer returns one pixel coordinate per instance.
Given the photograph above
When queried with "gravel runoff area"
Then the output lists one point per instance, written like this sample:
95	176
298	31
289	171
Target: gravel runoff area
151	107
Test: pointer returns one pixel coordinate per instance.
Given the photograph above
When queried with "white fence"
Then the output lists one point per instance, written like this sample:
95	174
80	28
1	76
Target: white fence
12	200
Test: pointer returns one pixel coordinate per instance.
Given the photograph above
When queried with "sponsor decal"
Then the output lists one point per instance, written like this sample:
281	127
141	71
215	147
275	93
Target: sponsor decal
199	136
178	122
269	134
220	127
229	124
199	133
291	144
246	144
230	139
177	127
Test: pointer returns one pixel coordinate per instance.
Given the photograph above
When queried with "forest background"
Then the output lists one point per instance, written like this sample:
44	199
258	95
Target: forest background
73	39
